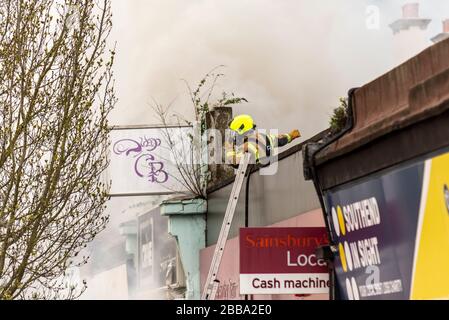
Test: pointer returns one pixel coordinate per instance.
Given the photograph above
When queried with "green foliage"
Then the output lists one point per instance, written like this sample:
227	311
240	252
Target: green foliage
339	117
203	93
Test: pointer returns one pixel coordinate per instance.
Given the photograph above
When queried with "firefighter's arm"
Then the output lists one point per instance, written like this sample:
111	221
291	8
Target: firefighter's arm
284	139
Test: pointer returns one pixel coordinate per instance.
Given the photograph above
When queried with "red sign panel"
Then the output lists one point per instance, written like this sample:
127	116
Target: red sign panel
282	260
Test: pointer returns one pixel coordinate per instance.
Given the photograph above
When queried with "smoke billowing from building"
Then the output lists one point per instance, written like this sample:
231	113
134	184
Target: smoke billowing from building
291	59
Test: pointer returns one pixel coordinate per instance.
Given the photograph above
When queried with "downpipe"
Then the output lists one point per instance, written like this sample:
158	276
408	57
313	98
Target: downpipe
248	179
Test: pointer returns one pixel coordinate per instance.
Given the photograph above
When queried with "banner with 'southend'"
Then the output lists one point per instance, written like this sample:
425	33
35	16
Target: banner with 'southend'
392	233
282	261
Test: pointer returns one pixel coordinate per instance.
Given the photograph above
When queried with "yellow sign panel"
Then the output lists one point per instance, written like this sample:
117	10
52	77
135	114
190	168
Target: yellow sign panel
431	276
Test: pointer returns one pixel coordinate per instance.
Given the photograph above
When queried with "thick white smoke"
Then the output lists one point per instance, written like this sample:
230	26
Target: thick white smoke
292	59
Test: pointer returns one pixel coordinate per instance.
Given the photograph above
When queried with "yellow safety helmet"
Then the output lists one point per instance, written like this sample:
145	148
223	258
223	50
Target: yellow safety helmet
242	124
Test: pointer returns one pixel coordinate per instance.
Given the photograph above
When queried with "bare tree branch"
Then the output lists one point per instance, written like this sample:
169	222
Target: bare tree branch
56	91
193	172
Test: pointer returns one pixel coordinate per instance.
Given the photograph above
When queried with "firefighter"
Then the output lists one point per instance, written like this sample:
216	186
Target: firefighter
245	138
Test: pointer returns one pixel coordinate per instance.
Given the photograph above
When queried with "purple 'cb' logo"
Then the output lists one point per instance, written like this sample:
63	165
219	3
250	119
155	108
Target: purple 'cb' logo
145	164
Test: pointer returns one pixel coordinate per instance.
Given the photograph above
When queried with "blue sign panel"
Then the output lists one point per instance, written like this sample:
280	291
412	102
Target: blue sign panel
374	224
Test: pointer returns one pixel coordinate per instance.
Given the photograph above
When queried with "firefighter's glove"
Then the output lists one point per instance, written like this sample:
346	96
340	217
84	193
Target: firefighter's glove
295	134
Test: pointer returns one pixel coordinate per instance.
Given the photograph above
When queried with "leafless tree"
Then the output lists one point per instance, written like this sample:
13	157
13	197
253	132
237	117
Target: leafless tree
188	152
56	90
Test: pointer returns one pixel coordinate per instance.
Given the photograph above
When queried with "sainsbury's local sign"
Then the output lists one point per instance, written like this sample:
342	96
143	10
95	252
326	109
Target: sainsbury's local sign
282	261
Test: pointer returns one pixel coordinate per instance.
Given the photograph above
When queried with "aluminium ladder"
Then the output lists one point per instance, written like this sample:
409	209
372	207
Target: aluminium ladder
211	284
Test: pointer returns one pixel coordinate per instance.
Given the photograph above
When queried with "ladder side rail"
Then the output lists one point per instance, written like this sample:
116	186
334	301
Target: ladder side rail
211	284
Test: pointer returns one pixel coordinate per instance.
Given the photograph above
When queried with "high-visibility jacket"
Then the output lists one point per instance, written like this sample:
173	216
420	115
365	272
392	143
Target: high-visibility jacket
260	145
